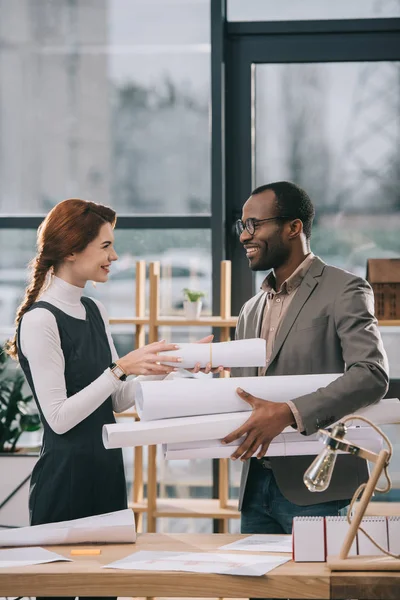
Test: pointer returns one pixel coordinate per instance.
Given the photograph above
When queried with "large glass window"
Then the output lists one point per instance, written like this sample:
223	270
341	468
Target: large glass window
185	257
17	250
106	100
333	128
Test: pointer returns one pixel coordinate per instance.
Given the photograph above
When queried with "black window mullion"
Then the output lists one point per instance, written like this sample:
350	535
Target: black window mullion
124	222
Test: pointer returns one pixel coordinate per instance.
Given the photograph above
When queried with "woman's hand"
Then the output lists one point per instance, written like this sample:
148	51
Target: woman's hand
207	340
146	360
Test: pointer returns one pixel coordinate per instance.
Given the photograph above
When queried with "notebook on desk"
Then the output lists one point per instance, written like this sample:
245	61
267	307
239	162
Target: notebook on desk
309	539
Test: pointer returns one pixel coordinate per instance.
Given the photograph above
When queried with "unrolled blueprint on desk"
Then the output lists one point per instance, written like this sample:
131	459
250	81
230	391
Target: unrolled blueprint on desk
262	543
199	562
21	557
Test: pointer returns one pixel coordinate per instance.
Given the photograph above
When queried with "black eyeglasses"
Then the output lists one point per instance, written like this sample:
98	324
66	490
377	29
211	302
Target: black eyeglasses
251	224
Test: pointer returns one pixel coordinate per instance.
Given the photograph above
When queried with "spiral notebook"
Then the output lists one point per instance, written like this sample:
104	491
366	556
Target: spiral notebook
393	524
336	531
376	527
309	539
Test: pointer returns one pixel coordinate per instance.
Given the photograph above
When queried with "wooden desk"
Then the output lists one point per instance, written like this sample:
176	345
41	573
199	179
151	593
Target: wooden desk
85	577
377	585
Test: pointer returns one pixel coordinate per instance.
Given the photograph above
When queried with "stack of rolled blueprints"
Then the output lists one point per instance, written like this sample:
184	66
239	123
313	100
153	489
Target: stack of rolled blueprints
190	416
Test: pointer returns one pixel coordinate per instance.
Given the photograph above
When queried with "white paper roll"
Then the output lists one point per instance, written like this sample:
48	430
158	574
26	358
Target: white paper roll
239	353
166	431
288	443
214	427
112	528
385	412
189	397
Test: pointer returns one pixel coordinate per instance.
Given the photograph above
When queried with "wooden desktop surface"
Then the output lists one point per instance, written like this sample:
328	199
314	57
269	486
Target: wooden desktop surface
85	577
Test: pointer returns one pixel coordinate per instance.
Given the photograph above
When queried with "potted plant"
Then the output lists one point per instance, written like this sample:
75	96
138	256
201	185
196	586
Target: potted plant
192	303
18	414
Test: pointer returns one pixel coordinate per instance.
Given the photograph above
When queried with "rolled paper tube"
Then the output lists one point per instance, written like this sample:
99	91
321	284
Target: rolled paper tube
191	397
285	444
111	528
185	429
239	353
215	427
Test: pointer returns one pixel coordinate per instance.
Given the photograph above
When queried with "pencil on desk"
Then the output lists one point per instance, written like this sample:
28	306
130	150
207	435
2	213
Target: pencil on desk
85	551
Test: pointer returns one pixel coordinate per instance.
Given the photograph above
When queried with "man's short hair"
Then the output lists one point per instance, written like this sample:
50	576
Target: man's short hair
292	201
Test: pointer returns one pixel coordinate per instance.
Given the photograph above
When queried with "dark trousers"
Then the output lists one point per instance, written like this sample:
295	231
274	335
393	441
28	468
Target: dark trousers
266	510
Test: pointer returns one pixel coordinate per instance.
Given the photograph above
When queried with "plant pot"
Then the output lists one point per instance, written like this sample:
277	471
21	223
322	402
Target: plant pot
15	471
192	310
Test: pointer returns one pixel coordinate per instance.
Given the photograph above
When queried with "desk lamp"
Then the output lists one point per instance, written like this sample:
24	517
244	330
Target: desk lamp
317	479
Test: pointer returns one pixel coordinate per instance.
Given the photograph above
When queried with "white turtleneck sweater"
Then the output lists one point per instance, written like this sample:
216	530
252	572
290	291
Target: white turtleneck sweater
41	345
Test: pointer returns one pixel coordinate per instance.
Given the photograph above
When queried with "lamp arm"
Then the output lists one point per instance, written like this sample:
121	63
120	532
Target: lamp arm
373	457
371	424
367	489
336	443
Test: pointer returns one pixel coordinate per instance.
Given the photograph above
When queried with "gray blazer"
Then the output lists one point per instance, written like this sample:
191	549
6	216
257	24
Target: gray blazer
329	328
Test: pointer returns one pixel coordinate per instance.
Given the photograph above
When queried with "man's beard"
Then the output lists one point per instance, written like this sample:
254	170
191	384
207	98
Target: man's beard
271	258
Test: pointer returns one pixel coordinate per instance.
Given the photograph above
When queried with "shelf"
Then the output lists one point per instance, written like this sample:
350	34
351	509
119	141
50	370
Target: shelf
202	321
198	508
176	321
383	509
129	320
138	507
209	321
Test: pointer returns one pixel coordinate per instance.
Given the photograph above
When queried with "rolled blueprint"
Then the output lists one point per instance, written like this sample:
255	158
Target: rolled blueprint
111	528
214	427
289	443
239	353
189	397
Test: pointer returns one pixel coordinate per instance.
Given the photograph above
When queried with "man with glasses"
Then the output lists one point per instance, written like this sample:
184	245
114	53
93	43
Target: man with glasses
315	318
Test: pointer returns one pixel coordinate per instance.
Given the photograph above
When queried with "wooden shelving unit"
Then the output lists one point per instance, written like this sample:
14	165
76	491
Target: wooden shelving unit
222	508
140	322
216	509
199	508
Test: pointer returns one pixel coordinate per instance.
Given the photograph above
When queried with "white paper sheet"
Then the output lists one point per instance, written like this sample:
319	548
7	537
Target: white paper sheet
213	427
238	353
21	557
288	443
262	543
190	397
111	528
193	562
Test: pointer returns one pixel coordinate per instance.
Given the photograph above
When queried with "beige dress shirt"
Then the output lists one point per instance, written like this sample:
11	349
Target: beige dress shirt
276	306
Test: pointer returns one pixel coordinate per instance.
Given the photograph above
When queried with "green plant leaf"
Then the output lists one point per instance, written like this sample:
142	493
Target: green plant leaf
192	295
18	411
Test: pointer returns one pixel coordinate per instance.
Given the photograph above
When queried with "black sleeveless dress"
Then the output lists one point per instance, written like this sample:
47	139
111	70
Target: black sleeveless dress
75	475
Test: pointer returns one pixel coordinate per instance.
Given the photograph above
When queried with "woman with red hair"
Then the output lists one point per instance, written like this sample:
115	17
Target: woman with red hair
65	349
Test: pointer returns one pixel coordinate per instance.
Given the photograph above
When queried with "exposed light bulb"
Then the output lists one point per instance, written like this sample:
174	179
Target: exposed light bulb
319	474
